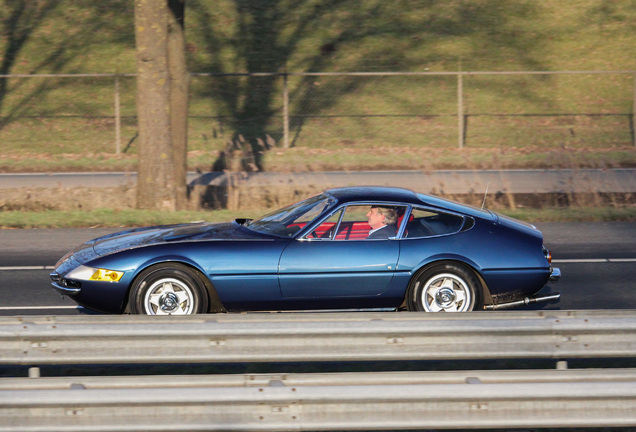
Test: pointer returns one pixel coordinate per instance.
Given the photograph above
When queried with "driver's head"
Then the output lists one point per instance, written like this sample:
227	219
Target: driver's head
379	216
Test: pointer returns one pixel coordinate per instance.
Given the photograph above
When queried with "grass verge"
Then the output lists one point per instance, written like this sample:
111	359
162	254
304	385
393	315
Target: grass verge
135	218
109	218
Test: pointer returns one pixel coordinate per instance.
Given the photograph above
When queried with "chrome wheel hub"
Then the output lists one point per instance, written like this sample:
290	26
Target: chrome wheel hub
169	302
446	292
169	297
445	297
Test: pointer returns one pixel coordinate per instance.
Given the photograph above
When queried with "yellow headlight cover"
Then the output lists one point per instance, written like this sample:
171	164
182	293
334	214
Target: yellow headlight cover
103	275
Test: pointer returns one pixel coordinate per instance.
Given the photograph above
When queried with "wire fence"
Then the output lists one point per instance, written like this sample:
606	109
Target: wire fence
96	113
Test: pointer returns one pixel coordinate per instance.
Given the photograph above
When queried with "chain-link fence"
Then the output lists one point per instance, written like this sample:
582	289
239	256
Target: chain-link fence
79	114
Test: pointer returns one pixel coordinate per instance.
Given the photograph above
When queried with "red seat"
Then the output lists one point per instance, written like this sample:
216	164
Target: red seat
353	231
401	218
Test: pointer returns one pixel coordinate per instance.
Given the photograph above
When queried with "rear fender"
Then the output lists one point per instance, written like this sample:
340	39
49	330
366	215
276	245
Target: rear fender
486	296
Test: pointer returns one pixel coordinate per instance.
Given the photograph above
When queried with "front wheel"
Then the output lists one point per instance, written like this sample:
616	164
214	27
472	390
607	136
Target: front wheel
168	289
444	288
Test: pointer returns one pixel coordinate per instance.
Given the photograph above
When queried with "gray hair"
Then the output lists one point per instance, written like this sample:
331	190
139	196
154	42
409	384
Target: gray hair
390	214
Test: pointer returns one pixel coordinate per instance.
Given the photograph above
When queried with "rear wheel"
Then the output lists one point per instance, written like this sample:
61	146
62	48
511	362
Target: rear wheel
446	287
168	289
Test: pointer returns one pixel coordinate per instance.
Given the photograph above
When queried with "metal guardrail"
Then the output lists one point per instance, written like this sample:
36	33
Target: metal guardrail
354	402
316	337
335	401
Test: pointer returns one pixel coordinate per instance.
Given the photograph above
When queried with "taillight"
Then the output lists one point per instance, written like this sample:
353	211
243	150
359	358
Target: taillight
548	255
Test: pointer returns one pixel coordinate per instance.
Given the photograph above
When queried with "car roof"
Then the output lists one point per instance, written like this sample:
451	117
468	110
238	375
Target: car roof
374	193
402	195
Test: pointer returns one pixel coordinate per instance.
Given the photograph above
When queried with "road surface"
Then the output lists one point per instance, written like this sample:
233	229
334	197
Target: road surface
598	262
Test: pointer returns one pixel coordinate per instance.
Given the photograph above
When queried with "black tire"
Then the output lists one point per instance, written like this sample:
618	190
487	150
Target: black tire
446	287
168	289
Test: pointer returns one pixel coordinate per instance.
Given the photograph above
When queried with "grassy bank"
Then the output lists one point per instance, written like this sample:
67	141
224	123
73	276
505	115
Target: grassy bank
337	122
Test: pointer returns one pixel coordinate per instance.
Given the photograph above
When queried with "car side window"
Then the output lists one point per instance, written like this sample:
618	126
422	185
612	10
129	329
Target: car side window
426	223
354	224
327	228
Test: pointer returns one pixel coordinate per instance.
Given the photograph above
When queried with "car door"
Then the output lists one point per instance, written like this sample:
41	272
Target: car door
337	259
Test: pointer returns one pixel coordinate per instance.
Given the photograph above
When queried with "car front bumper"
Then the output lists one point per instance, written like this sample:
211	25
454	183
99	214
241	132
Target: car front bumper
62	286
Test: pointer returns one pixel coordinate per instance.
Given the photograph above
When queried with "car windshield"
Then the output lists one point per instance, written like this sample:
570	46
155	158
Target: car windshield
291	219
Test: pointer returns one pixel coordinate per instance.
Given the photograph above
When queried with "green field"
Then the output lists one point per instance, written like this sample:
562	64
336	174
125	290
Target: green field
336	122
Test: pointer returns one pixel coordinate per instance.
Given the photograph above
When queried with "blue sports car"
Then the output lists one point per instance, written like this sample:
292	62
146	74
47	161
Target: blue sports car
359	248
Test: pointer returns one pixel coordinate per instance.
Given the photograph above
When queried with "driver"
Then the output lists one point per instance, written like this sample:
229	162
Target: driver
382	221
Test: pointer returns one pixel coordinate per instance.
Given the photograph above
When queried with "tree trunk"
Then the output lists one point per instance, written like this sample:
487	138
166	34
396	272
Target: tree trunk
156	181
179	85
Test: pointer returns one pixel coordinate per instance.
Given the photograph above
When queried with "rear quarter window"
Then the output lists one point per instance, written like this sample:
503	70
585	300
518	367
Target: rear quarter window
426	223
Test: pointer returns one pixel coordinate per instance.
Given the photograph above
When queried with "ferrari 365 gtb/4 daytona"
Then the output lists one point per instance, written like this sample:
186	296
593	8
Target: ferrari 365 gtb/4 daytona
358	248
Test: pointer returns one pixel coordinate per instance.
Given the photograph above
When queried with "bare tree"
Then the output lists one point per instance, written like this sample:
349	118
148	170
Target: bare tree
161	104
179	85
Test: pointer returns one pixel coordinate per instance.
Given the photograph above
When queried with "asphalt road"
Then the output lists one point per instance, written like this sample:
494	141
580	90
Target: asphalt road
598	262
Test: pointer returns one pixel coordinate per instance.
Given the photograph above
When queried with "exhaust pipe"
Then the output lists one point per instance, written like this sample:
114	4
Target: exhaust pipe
526	301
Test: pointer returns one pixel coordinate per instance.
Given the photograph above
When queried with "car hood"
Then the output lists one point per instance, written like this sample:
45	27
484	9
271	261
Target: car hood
171	233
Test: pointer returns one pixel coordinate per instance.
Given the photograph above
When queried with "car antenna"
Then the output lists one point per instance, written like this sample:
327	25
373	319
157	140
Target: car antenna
485	195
